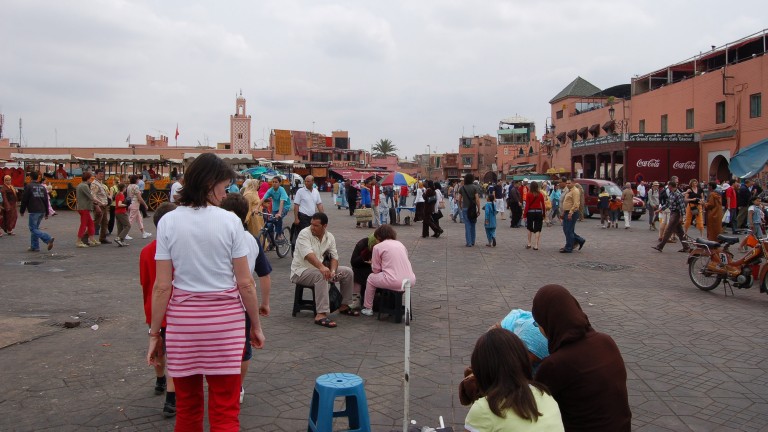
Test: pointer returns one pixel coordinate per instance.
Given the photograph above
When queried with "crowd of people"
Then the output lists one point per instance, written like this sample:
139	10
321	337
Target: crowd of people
546	369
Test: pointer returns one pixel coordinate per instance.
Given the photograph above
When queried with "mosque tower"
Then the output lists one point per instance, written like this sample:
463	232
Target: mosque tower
240	128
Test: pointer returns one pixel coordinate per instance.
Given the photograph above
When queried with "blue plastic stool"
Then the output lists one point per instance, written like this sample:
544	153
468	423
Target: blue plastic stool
327	388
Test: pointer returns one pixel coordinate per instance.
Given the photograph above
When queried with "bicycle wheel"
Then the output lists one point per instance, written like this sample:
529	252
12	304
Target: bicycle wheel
700	276
283	245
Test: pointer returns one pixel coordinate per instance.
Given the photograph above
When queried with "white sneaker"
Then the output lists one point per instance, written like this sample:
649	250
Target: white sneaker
367	312
242	394
146	235
128	238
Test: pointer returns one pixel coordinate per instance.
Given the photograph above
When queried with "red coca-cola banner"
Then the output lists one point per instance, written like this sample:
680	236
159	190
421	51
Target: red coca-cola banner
684	163
647	164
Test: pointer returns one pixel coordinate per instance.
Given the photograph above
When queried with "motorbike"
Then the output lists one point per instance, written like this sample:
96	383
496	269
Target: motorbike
711	262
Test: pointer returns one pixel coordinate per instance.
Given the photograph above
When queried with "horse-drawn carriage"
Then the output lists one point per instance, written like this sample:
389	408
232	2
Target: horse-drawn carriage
63	194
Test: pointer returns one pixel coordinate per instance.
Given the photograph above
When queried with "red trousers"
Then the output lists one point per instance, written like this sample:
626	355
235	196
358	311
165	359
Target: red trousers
86	224
223	403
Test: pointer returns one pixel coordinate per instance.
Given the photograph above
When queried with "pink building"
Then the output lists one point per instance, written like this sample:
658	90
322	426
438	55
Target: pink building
477	155
687	119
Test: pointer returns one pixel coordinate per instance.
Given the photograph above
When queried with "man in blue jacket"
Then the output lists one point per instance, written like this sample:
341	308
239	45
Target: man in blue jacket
35	200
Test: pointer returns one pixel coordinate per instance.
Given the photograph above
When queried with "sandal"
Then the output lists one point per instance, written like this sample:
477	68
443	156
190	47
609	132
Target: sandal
535	248
527	246
325	322
349	312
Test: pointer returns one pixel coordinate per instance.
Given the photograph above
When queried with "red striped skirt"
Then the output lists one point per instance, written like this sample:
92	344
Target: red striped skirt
205	333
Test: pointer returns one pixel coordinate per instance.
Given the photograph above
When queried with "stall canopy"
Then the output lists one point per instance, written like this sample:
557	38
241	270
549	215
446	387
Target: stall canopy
29	157
750	160
229	157
103	157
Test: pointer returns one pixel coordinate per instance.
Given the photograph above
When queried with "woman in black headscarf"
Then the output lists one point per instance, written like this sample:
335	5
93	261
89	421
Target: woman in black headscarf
430	201
584	371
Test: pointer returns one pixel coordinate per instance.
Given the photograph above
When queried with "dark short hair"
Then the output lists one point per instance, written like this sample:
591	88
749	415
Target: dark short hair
133	179
86	175
672	183
237	204
322	217
34	175
162	210
202	175
712	185
99	170
385	232
121	187
469	178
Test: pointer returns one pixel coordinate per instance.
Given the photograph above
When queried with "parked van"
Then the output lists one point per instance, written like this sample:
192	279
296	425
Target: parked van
592	190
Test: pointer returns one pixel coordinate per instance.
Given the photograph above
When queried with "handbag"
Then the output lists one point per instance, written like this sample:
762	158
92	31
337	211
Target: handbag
334	298
694	211
441	205
363	214
438	215
727	217
471	208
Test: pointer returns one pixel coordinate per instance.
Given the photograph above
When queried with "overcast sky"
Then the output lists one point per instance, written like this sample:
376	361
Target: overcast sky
418	72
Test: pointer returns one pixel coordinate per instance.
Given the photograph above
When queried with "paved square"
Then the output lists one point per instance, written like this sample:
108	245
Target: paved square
696	361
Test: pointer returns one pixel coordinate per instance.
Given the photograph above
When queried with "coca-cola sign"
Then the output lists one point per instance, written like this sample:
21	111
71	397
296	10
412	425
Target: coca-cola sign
650	163
688	165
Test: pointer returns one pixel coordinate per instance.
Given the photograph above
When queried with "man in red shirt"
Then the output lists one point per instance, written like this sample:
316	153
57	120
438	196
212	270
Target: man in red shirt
403	195
375	198
731	204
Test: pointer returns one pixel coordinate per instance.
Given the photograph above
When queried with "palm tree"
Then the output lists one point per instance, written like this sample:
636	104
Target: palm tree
384	148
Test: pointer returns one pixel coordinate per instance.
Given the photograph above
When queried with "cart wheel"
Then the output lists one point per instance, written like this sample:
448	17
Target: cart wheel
155	199
72	200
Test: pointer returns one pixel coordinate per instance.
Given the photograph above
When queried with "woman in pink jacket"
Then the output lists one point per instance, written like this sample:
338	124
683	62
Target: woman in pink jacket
390	266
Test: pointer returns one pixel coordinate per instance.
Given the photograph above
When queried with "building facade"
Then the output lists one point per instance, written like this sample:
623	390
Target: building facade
686	120
477	155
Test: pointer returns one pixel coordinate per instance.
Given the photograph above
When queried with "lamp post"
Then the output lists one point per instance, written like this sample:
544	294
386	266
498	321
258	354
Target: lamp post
429	162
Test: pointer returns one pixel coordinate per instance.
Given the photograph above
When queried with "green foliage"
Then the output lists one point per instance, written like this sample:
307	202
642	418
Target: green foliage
384	148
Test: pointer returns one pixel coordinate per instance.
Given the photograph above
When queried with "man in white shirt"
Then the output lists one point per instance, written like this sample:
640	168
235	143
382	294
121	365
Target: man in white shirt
176	188
306	203
313	244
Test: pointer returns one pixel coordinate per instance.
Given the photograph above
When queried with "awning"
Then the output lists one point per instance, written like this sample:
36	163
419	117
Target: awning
30	157
572	134
749	161
521	168
561	137
609	126
583	132
103	157
229	157
595	129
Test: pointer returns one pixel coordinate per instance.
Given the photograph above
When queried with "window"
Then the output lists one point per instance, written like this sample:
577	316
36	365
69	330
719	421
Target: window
664	123
506	151
689	118
756	105
641	126
466	160
240	136
559	114
466	142
720	112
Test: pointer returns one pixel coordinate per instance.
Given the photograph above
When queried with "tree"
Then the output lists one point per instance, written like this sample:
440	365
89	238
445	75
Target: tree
384	148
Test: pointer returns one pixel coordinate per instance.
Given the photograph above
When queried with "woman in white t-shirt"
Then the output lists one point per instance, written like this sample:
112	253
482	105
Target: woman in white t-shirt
418	202
512	401
203	281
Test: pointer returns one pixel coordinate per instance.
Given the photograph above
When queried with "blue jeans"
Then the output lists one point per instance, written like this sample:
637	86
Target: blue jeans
34	229
469	228
569	229
279	221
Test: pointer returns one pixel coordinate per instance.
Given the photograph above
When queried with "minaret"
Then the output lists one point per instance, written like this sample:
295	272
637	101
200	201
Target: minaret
240	128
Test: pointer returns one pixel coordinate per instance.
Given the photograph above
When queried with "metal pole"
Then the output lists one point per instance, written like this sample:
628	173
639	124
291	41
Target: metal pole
407	364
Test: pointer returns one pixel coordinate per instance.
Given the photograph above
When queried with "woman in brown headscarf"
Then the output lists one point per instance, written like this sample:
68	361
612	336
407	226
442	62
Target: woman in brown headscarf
714	207
254	220
584	371
10	199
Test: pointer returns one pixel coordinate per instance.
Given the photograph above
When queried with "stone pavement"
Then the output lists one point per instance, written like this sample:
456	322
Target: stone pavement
696	361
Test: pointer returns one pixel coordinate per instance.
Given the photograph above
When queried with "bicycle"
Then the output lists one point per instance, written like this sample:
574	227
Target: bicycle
267	240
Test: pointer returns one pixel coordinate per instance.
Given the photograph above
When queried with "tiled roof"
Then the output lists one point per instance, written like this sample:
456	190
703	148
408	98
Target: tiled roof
578	87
